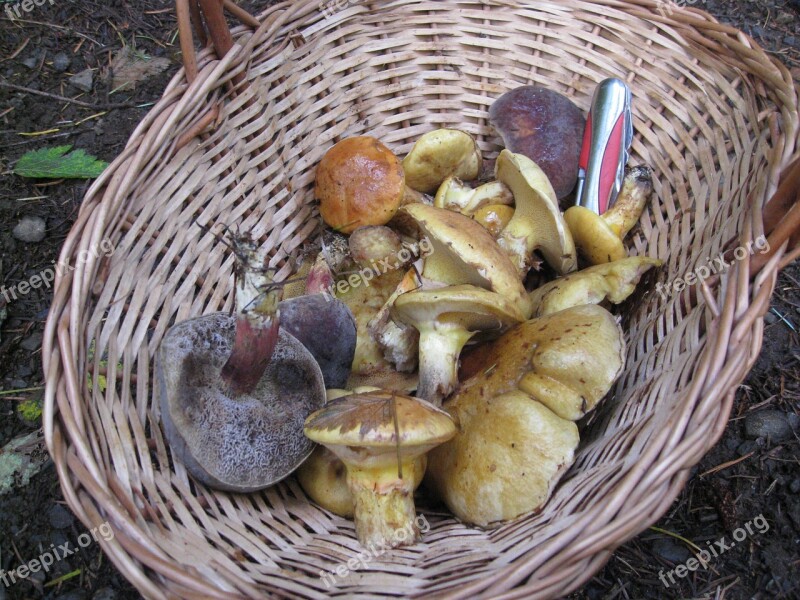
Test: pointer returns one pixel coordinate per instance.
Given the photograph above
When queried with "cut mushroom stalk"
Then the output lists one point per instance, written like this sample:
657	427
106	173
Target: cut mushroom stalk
599	237
257	322
446	319
380	436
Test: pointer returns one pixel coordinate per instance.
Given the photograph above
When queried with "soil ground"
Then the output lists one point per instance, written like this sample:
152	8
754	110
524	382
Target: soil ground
762	476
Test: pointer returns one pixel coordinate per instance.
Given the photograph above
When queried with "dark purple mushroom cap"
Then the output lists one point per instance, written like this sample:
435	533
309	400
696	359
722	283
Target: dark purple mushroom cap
545	126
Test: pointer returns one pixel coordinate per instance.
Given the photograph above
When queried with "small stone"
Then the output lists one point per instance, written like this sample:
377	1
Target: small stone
61	62
789	40
794	421
60	517
770	318
32	343
794	487
31	62
771	424
670	551
746	448
83	80
105	593
30	230
784	18
19	384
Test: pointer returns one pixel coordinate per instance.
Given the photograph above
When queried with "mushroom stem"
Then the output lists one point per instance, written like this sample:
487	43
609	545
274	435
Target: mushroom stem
439	349
257	324
384	504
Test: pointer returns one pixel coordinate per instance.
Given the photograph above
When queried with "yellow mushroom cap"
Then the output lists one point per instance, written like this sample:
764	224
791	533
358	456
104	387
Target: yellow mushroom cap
465	253
439	154
594	238
374	420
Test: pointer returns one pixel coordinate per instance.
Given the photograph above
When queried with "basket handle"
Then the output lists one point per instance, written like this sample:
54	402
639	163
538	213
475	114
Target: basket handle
207	18
782	219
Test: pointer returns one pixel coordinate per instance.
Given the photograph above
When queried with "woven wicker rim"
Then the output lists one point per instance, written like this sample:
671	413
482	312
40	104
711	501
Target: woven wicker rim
235	139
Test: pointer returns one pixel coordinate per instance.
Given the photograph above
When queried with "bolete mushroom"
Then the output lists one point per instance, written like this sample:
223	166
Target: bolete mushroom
613	281
323	475
599	238
515	411
439	154
545	126
446	319
359	182
537	223
455	195
378	436
463	252
235	389
305	316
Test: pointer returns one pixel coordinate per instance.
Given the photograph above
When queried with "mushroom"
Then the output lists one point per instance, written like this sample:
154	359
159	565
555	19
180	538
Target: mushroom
504	463
323	475
306	316
359	182
446	319
455	195
439	154
537	223
599	237
463	252
545	126
378	436
372	244
365	299
613	281
516	410
235	389
494	218
398	342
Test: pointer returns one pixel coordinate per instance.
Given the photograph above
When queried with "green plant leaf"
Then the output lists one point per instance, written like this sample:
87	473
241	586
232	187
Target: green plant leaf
59	163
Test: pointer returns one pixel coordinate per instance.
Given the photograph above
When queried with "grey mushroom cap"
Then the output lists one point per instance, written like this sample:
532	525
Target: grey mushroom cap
242	444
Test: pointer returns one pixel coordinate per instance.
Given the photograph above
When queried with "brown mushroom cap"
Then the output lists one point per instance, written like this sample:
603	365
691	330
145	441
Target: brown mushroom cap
359	182
242	444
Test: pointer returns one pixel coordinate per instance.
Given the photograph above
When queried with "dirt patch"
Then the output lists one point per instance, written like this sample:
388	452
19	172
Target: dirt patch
49	46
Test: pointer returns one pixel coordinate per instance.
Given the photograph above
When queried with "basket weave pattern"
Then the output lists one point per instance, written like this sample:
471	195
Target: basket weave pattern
715	118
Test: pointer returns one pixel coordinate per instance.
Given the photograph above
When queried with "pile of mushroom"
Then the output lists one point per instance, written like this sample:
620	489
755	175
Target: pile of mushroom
467	343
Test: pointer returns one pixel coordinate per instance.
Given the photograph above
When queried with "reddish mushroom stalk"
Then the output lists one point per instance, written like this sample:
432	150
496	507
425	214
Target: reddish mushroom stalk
257	323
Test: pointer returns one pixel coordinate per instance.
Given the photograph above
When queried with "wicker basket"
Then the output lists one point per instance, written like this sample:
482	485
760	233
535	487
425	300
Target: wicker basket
235	140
